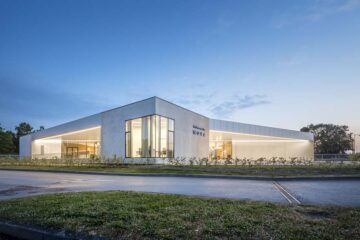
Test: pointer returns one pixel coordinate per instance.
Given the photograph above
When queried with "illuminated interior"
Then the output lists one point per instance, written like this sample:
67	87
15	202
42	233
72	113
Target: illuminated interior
79	144
150	136
225	145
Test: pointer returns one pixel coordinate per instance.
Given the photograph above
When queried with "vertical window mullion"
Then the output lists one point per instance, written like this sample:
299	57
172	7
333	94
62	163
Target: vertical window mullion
158	125
128	139
153	137
152	147
143	136
168	139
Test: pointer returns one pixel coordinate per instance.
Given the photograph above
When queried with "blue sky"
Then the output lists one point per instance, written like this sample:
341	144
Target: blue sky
275	63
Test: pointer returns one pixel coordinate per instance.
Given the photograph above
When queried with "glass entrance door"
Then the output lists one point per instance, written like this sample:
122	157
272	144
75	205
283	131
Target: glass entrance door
72	152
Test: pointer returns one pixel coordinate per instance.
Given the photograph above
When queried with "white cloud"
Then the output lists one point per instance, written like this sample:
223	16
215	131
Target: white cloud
236	103
223	24
325	8
291	60
349	5
319	10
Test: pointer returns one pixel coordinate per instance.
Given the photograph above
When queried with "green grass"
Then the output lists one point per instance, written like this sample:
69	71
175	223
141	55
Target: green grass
133	215
7	237
311	170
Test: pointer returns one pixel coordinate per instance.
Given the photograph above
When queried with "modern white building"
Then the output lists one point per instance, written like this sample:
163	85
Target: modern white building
155	128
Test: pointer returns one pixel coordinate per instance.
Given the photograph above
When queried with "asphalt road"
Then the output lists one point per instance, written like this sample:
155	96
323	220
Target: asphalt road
15	184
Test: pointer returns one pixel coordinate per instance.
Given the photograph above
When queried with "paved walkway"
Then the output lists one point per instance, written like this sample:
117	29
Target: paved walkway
339	192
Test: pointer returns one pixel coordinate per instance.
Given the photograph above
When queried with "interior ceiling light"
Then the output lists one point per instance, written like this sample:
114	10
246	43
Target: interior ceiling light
69	133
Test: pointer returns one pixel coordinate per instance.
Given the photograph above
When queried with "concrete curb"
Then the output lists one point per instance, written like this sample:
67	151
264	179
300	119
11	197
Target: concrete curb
245	177
24	232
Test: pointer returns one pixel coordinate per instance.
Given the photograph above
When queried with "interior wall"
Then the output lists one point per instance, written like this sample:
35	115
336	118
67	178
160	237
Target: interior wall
55	146
52	148
252	146
287	150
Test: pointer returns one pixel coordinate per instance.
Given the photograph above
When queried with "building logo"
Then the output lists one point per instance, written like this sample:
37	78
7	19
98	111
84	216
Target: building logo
198	131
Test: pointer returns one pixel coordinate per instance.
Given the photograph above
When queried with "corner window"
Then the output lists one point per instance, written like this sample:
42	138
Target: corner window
150	136
170	152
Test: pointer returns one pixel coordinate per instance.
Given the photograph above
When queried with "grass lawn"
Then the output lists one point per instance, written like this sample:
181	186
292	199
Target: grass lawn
258	170
7	237
133	215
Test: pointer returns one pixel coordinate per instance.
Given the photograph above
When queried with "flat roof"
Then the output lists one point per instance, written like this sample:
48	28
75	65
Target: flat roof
214	124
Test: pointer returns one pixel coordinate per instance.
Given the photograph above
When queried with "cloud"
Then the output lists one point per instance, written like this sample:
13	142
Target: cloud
349	5
291	60
317	11
193	100
204	100
325	8
223	24
237	103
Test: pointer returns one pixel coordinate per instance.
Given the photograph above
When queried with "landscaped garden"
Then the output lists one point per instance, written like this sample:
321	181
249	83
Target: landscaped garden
242	167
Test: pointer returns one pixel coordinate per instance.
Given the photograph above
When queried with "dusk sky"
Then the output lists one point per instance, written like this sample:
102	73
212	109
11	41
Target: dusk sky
275	63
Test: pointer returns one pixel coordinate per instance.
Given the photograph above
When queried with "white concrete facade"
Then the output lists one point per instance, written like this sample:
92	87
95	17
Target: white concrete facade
193	134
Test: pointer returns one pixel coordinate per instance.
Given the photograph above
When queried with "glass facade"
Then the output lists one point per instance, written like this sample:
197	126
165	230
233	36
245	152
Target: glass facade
220	150
81	144
80	149
150	136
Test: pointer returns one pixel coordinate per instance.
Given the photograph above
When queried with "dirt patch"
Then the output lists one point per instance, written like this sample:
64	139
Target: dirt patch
315	214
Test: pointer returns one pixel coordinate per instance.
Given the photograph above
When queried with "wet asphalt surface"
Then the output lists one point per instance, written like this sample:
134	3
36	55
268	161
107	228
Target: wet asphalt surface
14	184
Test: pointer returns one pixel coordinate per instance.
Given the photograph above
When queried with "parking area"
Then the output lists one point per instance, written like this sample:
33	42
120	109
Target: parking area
344	192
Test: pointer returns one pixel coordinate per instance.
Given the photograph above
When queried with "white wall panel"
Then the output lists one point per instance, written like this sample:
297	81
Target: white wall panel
186	143
228	126
25	146
113	125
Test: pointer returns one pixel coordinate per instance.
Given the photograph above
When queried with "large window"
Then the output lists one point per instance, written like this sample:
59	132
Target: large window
220	150
80	149
150	136
81	144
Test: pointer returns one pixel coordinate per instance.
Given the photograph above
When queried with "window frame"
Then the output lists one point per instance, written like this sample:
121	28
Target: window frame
167	134
173	138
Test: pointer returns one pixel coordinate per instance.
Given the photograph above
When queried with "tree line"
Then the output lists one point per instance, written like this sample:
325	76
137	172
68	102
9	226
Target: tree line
9	140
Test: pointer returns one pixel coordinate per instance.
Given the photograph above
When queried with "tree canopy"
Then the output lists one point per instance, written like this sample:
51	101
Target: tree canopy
23	129
330	138
6	142
9	141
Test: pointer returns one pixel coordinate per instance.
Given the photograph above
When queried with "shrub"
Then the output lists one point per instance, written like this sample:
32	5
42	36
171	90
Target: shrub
354	157
192	161
260	161
228	161
236	161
